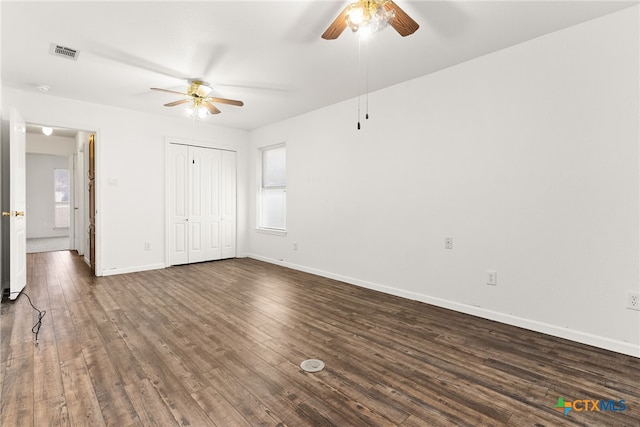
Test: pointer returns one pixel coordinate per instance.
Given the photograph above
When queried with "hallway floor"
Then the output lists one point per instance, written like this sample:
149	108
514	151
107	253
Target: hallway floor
48	244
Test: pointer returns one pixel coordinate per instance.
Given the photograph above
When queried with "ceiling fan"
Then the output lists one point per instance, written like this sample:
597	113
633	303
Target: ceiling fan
369	16
197	94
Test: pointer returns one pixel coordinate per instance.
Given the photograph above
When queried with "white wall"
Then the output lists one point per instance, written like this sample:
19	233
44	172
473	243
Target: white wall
40	192
130	152
527	157
56	145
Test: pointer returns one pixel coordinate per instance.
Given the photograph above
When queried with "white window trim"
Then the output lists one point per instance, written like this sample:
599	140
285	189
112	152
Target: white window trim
271	231
259	229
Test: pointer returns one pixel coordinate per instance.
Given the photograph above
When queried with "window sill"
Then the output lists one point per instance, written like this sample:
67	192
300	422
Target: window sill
272	231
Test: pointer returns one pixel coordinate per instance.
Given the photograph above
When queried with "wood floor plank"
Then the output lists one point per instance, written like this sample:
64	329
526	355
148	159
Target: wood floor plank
219	409
68	343
171	359
46	366
51	412
20	340
265	384
149	405
158	364
129	368
16	400
321	413
244	402
82	402
108	387
347	404
423	411
7	316
220	344
435	396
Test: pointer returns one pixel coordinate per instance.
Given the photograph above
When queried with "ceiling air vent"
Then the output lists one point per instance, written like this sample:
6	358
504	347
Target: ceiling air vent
63	52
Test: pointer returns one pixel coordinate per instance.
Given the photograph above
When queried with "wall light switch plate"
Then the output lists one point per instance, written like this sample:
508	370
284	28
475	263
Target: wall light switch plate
448	242
492	277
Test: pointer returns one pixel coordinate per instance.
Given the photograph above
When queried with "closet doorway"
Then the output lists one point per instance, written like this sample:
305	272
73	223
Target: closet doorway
202	204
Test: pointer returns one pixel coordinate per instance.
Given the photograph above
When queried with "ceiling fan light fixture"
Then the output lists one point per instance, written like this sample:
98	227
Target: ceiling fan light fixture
202	112
198	104
369	17
366	17
356	14
196	111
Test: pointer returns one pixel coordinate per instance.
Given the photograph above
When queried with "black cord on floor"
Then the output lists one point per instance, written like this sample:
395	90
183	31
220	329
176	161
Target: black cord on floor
41	313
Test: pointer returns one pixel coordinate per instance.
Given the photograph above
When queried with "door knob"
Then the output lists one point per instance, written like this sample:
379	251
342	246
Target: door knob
20	213
4	213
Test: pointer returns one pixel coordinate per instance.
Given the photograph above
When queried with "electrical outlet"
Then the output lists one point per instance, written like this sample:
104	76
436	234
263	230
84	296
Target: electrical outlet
147	246
492	277
633	300
295	246
448	242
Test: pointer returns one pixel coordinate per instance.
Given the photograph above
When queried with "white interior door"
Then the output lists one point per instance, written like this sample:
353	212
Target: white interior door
17	205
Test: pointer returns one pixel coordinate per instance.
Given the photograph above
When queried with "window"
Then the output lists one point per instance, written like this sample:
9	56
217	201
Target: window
272	203
61	198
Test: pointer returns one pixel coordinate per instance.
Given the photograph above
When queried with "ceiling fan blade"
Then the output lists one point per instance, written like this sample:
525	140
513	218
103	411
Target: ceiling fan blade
337	27
167	90
212	109
225	101
402	22
174	103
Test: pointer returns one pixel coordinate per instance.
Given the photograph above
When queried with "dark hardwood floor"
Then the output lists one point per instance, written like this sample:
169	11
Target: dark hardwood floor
220	344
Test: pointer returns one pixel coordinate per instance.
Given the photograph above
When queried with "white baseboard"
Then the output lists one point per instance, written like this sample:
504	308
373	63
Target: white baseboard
114	271
533	325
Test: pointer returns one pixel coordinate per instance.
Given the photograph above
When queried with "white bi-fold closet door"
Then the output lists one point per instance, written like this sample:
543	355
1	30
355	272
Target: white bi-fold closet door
203	204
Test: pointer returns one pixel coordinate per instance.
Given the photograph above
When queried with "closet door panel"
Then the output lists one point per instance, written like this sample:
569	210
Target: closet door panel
179	253
180	246
212	216
196	204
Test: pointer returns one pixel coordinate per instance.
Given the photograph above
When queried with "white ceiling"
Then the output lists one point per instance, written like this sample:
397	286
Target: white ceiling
268	54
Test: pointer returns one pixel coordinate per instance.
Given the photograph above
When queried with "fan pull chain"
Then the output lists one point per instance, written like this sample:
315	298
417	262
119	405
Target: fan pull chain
366	78
366	66
358	79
